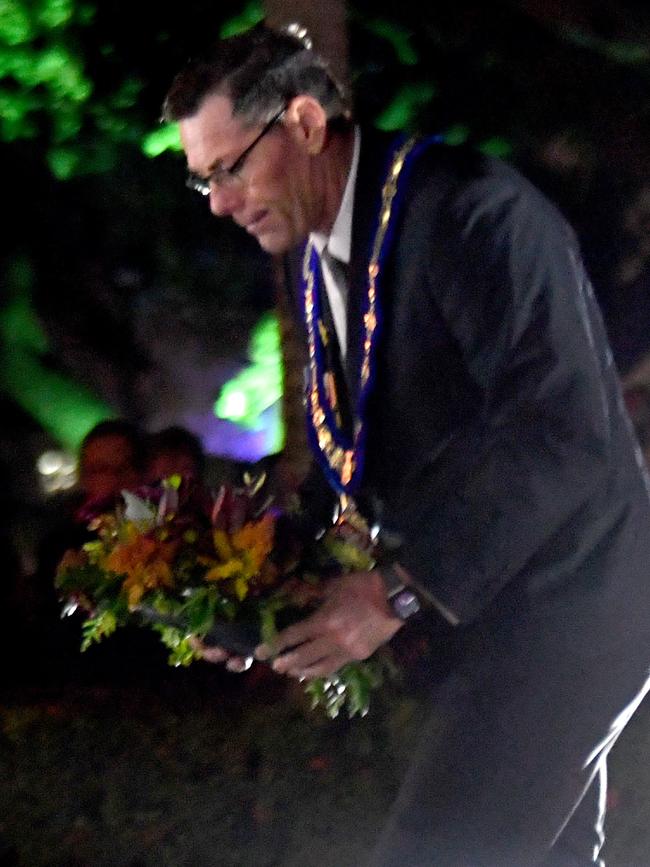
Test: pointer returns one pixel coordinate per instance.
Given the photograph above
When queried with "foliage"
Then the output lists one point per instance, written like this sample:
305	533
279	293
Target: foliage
74	78
49	91
64	408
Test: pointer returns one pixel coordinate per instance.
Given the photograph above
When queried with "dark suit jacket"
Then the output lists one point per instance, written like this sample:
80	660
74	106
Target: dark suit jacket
500	452
498	445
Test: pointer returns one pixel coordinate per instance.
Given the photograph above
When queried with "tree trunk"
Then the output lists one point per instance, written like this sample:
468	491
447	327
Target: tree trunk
326	25
325	22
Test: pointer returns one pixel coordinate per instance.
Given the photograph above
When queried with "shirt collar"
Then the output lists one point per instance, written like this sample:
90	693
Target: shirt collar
339	242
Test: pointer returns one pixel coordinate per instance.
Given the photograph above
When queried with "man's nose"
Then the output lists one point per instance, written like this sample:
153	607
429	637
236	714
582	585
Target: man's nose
224	200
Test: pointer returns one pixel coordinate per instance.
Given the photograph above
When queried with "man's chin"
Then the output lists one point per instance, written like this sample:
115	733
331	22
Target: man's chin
273	243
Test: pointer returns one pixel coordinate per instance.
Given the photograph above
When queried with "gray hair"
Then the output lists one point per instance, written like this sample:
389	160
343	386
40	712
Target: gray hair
260	71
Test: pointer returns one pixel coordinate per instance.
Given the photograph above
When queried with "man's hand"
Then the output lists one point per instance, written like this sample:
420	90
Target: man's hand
353	621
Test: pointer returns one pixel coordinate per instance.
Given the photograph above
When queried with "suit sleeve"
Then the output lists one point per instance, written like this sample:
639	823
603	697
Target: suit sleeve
537	447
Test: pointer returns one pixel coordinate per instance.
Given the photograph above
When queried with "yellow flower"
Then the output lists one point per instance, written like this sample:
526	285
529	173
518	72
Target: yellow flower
241	588
224	570
241	556
222	545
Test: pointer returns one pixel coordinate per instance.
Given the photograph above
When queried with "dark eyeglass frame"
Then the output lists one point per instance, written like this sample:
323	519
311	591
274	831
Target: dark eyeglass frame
226	178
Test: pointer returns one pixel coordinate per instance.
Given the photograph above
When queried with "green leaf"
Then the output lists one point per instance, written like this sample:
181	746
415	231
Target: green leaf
91	581
182	652
348	555
408	100
96	628
398	36
165	137
249	17
349	689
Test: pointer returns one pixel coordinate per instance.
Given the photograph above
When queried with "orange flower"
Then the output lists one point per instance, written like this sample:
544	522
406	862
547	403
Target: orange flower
146	564
256	540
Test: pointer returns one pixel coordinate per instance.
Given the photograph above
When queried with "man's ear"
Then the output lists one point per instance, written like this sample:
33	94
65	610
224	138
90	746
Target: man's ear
307	120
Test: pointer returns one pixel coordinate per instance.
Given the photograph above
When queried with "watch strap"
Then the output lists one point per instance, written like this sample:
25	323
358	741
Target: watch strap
400	595
393	581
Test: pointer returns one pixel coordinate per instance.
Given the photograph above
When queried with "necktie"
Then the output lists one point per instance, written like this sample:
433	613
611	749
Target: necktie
338	268
333	305
337	295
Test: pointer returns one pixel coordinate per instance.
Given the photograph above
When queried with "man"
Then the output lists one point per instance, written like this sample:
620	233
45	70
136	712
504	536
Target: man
461	390
110	460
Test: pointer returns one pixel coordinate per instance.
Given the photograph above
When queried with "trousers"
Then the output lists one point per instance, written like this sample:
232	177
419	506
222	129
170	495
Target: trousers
510	768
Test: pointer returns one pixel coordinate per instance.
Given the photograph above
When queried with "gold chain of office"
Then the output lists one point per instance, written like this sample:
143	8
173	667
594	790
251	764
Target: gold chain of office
343	461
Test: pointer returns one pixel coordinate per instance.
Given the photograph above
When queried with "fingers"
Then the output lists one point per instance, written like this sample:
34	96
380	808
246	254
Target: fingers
239	664
236	664
312	650
296	661
213	654
292	636
209	653
327	666
353	621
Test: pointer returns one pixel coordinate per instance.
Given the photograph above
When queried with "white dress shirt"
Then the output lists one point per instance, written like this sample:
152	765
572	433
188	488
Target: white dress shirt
339	245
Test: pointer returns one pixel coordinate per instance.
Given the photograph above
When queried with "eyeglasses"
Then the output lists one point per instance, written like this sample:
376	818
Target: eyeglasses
230	178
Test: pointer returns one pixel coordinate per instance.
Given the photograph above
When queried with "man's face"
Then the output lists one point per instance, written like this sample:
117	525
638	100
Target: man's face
106	467
279	198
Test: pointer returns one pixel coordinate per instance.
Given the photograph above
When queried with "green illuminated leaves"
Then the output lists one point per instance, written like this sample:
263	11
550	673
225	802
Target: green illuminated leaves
64	408
15	24
48	92
398	36
42	71
244	398
403	109
251	15
165	137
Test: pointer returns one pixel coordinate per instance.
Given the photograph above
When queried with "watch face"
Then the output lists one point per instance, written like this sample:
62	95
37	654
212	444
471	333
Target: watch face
405	603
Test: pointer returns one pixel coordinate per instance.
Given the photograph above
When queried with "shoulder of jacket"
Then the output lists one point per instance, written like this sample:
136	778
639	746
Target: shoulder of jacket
467	184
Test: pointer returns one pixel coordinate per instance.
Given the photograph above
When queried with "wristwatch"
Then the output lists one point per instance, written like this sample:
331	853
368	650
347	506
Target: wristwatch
399	595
